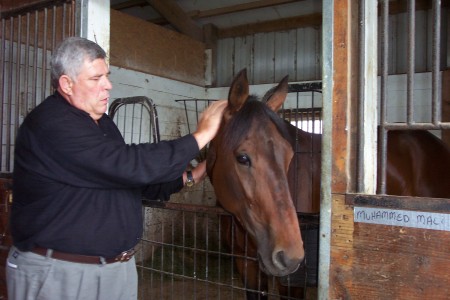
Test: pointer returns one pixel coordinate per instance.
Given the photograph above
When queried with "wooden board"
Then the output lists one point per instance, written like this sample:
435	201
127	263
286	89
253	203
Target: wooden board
152	49
386	262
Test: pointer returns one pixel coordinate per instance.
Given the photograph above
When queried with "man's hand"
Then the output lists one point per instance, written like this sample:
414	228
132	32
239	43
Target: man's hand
209	123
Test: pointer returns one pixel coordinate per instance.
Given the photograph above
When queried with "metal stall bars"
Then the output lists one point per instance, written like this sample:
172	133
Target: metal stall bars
136	118
192	110
27	37
412	119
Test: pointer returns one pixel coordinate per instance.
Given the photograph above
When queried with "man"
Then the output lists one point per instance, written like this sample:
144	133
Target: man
76	213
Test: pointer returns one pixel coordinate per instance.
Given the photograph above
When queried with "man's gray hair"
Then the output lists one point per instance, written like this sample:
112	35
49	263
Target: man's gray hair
70	55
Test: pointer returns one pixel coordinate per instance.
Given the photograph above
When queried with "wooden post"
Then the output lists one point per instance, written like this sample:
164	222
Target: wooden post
93	22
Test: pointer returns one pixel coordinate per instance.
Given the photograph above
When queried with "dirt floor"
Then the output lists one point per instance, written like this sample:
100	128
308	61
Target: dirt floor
154	288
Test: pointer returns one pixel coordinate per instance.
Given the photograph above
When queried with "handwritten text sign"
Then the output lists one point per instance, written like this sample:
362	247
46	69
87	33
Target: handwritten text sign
393	217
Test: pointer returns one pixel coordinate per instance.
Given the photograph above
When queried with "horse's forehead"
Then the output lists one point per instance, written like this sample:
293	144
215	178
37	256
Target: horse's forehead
262	132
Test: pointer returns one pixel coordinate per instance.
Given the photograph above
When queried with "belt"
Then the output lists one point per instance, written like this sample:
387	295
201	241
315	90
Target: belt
84	259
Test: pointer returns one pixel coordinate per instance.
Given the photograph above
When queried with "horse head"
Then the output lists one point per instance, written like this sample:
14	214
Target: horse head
248	163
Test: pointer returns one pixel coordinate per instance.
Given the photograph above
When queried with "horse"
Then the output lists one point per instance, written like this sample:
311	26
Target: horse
417	164
248	164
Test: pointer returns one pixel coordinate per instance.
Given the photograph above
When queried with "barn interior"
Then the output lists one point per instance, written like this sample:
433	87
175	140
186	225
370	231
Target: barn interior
170	58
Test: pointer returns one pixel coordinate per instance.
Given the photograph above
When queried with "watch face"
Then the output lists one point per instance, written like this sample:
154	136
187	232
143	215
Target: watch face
189	179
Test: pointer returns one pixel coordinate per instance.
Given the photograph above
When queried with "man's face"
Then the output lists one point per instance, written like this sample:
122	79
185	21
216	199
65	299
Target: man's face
90	90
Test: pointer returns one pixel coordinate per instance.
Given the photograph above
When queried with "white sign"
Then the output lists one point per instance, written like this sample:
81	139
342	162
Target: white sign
406	218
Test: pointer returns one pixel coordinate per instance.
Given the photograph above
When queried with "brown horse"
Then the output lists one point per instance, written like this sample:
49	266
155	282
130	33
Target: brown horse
248	164
418	163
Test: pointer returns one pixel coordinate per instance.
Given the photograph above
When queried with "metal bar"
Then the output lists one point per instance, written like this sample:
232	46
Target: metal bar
125	109
421	126
10	95
296	161
18	95
155	122
53	29
2	90
35	57
436	90
411	8
195	255
44	57
64	18
133	110
187	118
26	67
72	17
382	141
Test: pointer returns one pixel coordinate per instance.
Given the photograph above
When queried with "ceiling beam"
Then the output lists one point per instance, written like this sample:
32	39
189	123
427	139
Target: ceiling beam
171	11
129	4
212	12
238	8
270	26
199	14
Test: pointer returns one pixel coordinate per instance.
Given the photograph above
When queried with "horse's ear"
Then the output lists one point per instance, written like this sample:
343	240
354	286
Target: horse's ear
276	97
238	93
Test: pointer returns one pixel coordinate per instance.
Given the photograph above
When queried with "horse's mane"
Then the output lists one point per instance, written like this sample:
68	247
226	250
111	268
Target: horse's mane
239	125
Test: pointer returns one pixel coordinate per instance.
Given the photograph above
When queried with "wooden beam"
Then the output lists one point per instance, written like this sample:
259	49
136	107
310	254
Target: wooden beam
238	8
129	4
270	26
197	14
175	56
170	10
13	7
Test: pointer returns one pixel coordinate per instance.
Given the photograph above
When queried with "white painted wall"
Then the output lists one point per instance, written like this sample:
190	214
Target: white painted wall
163	92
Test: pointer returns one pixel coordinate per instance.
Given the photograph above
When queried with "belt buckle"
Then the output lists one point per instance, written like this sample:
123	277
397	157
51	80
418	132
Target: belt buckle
126	255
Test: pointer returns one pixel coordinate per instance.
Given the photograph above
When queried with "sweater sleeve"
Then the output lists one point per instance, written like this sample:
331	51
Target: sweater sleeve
162	191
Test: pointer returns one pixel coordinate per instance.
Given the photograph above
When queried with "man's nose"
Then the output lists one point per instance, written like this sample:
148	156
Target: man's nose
107	84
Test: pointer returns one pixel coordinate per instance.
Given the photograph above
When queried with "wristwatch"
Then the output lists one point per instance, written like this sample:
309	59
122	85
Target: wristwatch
189	179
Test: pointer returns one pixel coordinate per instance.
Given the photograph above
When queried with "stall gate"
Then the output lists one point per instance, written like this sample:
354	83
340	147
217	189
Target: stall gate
181	253
27	38
387	258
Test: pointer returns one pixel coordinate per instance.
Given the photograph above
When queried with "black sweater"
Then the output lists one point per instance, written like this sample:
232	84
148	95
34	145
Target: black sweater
77	186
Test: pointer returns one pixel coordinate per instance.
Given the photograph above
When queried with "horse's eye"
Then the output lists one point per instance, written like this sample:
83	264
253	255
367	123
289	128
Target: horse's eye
243	159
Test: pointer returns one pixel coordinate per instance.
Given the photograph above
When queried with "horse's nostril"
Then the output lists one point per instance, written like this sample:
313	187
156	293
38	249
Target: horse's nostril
279	260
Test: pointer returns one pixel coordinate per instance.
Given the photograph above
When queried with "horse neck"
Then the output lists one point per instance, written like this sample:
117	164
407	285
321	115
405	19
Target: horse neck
304	173
302	141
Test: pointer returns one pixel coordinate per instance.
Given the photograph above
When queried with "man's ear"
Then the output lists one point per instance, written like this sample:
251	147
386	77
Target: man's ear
65	84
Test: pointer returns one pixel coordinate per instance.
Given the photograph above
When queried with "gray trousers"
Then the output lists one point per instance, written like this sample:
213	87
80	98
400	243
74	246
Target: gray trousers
31	276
